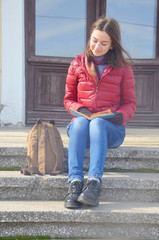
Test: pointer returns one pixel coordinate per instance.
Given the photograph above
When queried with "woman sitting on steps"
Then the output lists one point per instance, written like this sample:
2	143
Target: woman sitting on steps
99	79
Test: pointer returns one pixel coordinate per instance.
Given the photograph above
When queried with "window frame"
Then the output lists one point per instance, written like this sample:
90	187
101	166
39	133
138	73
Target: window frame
157	32
94	11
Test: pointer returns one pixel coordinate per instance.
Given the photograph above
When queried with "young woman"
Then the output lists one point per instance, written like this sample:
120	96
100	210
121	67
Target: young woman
99	79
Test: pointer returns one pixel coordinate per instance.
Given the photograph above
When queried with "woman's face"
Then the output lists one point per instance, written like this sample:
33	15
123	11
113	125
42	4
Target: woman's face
100	43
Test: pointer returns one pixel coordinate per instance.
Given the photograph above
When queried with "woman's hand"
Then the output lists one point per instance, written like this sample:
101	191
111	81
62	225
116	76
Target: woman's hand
118	119
85	111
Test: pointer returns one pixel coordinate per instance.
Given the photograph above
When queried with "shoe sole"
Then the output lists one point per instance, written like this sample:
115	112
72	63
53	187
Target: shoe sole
87	201
72	206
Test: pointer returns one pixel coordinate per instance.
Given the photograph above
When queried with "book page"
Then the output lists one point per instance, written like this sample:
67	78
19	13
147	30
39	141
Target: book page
104	114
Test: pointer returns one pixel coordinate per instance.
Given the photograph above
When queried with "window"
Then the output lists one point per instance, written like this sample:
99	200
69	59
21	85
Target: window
137	21
60	27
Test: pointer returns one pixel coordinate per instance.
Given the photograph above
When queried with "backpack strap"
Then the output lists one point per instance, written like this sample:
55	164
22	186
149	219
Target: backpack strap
30	171
52	122
39	120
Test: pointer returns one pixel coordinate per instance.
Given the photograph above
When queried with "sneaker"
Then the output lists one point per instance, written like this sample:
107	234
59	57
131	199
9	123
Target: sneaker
90	194
75	189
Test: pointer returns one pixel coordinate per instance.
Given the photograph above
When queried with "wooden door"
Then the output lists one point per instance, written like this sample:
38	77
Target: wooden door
46	75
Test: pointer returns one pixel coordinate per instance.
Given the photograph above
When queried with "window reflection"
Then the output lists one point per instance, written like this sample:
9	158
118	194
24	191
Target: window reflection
60	27
138	25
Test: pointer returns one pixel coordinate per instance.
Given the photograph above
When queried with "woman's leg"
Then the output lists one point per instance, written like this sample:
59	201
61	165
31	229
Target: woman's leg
103	134
78	132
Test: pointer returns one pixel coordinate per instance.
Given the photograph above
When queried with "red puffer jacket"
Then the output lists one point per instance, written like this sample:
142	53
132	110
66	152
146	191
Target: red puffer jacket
114	91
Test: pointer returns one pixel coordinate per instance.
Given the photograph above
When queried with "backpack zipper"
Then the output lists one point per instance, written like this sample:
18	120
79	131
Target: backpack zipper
37	142
46	131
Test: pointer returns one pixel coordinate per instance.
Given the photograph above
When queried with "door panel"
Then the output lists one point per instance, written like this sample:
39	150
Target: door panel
49	91
145	97
46	90
146	88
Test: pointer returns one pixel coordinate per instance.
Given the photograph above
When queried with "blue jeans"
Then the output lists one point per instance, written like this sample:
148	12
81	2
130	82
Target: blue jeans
97	134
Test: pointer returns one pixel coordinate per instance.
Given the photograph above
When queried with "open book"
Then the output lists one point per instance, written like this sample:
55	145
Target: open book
104	114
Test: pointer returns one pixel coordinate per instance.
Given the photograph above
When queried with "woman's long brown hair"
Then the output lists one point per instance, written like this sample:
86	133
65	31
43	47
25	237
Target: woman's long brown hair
115	56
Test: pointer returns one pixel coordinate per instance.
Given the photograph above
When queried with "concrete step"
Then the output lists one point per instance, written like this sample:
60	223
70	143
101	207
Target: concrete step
139	150
143	137
110	220
129	157
13	156
116	187
124	157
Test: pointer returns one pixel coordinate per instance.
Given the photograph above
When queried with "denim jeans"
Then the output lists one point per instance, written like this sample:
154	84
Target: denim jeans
97	134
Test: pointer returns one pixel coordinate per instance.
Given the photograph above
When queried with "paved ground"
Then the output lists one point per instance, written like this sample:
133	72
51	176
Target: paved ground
134	137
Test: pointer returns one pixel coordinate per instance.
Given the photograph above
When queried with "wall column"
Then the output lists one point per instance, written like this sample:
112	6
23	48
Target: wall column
0	51
13	63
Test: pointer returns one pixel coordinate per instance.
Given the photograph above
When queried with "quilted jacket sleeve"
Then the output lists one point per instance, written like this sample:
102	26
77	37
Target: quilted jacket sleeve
70	98
128	104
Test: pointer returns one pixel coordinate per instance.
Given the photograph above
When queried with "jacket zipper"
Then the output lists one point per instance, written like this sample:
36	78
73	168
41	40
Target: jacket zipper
106	71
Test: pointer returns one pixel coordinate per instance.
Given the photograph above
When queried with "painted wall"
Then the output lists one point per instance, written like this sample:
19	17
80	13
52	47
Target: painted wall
13	65
0	50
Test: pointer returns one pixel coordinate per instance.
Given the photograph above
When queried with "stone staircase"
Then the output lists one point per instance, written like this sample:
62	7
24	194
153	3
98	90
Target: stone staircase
129	203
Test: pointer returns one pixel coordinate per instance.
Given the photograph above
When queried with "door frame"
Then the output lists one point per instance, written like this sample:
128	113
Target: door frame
144	116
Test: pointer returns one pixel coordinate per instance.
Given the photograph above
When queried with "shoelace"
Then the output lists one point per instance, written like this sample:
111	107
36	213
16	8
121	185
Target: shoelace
75	187
94	186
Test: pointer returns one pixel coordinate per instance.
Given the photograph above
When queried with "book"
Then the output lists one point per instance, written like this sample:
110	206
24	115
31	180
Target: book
104	114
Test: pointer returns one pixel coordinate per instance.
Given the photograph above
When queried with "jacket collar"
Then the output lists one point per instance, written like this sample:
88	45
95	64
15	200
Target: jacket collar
81	61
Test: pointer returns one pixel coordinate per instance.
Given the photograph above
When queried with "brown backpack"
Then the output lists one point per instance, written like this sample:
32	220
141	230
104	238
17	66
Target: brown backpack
45	153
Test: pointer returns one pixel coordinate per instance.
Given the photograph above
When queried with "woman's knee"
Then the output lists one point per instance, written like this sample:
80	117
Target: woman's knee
79	124
97	126
97	122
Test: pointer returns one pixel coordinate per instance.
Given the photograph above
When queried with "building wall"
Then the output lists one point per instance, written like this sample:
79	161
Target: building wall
0	50
13	67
